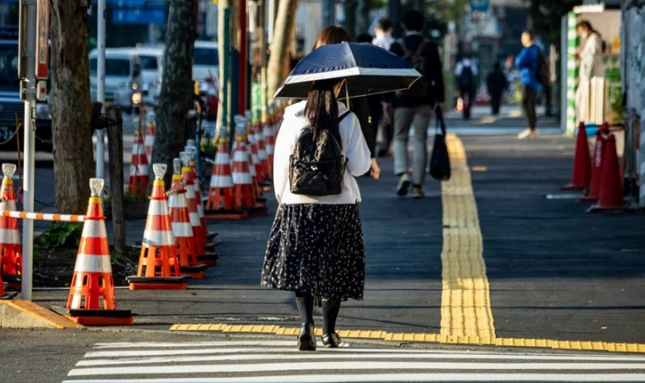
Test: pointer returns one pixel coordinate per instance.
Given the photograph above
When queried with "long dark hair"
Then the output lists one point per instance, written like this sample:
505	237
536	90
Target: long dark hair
321	109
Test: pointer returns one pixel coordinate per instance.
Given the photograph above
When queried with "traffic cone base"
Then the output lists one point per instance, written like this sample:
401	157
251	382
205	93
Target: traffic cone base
209	259
194	272
257	211
159	283
101	317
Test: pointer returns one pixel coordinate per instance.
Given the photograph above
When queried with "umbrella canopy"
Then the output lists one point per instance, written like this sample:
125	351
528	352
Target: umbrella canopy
367	68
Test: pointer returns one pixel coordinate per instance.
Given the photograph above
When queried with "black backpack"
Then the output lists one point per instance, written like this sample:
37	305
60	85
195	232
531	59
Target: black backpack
418	61
542	73
466	77
317	168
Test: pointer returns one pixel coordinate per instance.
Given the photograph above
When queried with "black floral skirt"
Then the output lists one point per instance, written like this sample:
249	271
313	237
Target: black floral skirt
316	249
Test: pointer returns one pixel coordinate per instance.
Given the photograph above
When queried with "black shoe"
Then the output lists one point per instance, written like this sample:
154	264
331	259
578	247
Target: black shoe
403	185
331	340
306	339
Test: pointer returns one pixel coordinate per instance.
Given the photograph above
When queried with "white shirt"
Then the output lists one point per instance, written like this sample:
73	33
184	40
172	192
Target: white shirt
592	47
355	150
384	41
465	63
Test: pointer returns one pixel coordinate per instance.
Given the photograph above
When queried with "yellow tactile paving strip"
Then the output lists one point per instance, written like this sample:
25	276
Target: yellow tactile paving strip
465	298
466	314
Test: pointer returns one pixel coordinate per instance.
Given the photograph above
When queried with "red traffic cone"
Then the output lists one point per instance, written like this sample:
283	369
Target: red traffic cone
183	232
139	170
581	162
92	299
596	166
611	190
221	194
158	264
258	174
246	190
10	249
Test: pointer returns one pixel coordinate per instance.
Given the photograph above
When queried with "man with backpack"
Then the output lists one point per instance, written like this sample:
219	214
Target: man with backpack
465	73
529	63
415	106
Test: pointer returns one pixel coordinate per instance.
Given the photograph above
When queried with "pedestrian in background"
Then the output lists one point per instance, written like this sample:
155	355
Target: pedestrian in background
528	61
590	48
465	73
316	248
496	83
414	106
383	34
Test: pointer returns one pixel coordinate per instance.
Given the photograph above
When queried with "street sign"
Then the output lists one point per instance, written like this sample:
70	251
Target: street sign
479	5
42	39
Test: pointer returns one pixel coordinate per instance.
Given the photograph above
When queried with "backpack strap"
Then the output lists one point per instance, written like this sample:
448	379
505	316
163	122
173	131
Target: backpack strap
342	116
406	51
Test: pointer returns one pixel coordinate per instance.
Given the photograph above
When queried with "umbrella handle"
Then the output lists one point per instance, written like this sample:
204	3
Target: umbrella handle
347	93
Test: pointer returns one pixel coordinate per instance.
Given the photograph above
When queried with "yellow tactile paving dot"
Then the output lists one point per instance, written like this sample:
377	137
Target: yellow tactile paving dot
466	314
465	298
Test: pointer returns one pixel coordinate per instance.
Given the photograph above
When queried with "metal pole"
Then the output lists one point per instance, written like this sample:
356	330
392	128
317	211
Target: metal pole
100	88
29	87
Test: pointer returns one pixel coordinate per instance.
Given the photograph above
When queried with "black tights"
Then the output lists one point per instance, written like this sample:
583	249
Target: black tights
330	309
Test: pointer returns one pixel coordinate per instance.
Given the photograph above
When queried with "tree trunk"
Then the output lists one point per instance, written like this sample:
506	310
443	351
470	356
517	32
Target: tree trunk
280	47
350	7
176	96
363	20
70	105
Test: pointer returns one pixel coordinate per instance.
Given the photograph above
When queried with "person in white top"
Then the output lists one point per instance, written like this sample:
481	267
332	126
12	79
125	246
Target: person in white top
383	33
465	73
316	243
591	47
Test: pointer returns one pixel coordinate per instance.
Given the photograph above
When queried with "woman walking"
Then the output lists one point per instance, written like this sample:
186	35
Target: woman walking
315	248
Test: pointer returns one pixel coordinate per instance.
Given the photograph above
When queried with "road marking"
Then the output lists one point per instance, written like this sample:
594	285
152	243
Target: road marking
355	365
361	354
442	377
281	362
465	299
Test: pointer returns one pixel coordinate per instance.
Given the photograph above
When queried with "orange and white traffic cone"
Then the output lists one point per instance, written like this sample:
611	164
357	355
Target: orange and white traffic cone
149	140
611	190
269	139
92	298
10	249
242	179
193	213
158	264
262	153
183	232
192	150
139	170
221	194
253	148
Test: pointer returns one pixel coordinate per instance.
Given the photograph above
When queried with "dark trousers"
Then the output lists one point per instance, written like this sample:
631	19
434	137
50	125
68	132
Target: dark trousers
529	99
495	103
467	93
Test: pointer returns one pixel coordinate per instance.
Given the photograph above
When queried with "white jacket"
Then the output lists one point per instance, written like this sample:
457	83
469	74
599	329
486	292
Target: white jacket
355	150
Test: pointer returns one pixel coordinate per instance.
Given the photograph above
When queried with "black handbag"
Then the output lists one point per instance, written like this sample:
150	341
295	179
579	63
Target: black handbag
440	159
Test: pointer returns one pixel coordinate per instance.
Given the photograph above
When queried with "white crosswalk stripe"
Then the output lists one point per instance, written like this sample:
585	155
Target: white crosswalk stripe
278	361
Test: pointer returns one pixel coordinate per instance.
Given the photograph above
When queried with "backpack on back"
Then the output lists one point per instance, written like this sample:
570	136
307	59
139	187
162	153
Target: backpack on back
466	77
317	167
418	61
542	73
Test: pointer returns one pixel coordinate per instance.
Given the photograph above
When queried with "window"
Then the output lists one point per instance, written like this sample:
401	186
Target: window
9	68
206	56
148	62
113	67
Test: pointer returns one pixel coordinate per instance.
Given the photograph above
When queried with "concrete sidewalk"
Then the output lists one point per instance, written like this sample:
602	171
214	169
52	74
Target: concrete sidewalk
554	271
